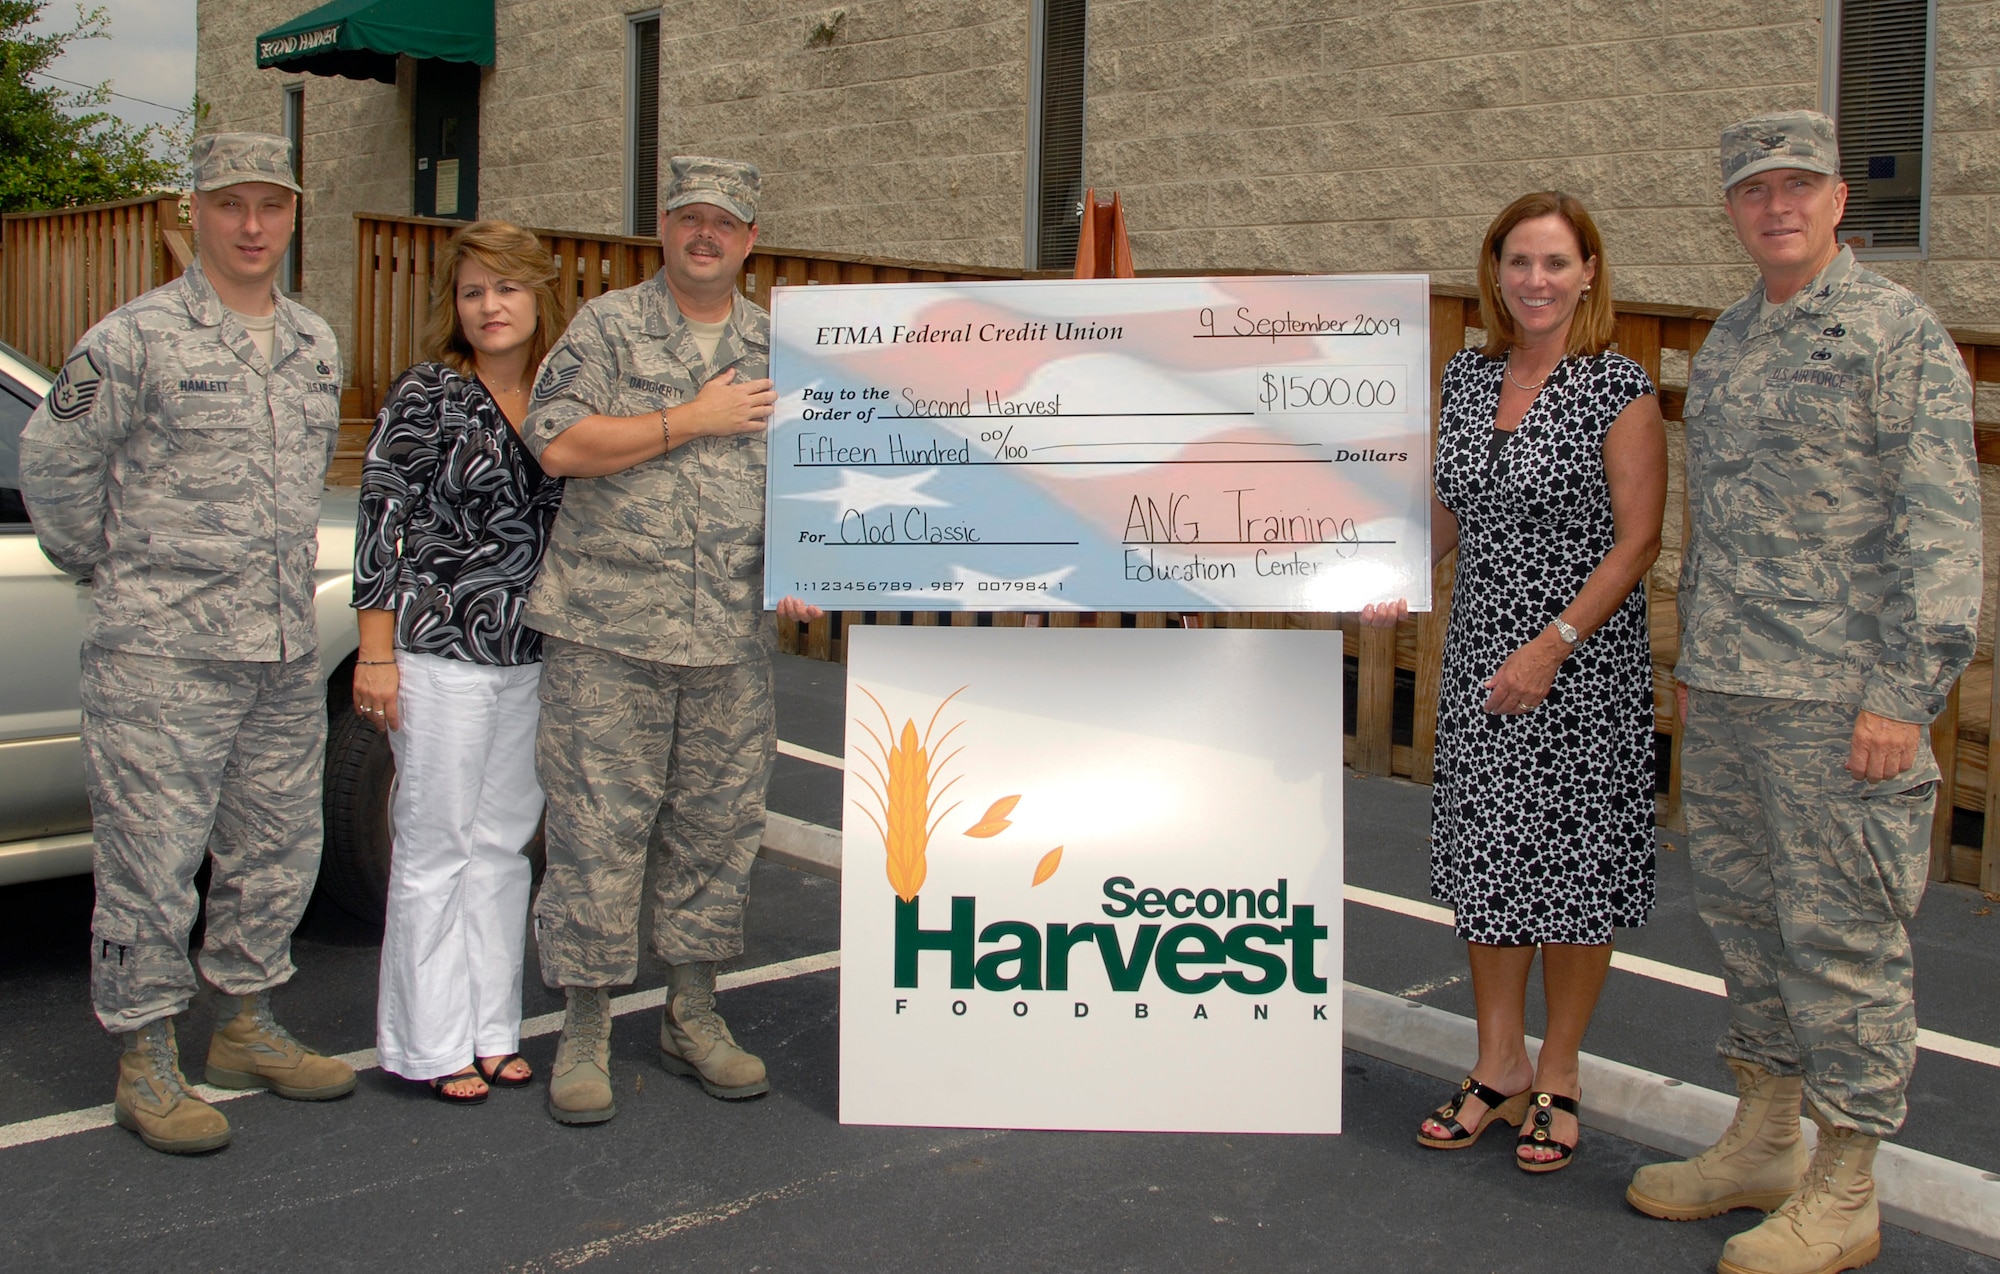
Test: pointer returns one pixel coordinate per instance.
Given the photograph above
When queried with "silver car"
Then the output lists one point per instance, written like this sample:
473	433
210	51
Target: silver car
44	815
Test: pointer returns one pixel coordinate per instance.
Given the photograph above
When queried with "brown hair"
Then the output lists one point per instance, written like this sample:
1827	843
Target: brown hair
1591	326
511	253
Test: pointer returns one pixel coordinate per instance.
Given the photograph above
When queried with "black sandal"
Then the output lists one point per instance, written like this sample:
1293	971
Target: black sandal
494	1078
458	1099
1499	1107
1543	1104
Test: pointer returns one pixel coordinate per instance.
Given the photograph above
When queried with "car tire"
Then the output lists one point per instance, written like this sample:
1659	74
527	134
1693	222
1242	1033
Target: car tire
360	842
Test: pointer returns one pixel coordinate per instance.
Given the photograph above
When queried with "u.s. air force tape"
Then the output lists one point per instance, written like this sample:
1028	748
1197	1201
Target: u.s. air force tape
558	370
75	390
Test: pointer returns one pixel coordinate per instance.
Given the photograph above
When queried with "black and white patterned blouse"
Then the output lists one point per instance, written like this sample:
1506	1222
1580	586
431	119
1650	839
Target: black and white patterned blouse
455	516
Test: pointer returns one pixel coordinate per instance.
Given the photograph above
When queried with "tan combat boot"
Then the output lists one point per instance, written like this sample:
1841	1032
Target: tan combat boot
153	1098
580	1081
694	1040
1757	1164
250	1050
1829	1224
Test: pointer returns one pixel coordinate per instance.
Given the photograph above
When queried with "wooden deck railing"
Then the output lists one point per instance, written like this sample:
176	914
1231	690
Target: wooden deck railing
393	273
64	269
1394	673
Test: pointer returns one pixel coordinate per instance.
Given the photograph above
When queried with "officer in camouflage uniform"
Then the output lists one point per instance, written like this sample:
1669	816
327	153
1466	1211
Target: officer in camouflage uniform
176	465
1829	598
657	730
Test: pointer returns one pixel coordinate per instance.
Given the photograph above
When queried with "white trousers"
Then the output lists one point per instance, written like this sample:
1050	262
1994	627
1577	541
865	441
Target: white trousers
466	803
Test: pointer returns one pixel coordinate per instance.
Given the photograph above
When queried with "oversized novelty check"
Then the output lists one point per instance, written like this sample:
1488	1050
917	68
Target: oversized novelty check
1129	444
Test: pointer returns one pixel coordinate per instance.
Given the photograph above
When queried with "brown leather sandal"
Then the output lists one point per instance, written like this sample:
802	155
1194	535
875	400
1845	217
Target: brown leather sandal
1499	1107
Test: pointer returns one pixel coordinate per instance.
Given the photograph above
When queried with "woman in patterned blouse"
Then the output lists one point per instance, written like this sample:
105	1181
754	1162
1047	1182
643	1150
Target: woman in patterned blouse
455	515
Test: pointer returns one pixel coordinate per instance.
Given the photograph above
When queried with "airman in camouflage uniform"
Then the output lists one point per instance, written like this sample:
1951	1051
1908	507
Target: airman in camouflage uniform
1829	598
657	731
176	466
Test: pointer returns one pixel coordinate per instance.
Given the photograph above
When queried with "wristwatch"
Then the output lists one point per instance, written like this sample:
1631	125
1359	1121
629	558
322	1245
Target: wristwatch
1567	632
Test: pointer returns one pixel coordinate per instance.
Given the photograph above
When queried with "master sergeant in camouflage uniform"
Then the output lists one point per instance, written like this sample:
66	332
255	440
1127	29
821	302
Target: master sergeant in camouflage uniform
176	466
1829	598
657	731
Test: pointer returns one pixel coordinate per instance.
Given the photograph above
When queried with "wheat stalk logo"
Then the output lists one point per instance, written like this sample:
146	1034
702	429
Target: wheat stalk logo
906	791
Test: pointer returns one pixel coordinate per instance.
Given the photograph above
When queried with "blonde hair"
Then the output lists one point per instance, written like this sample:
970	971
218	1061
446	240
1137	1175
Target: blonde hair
510	253
1590	328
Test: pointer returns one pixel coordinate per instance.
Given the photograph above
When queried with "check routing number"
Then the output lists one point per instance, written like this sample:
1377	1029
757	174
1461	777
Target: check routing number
1126	444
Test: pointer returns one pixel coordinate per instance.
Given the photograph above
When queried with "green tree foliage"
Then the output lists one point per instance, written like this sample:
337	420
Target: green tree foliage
51	157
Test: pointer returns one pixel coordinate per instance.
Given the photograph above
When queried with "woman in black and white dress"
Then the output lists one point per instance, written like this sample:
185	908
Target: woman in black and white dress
455	516
1551	482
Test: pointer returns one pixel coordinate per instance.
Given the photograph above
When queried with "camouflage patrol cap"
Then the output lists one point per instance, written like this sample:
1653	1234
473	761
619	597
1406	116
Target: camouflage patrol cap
729	184
230	159
1787	139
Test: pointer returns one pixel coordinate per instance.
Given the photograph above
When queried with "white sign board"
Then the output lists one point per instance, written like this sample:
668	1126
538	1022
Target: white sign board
1091	879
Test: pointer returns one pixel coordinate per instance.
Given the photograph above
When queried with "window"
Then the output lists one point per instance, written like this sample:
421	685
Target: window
294	276
14	412
642	92
1055	134
1879	89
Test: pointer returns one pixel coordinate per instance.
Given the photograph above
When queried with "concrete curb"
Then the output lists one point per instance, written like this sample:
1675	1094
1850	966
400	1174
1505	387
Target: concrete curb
806	846
1937	1197
1933	1196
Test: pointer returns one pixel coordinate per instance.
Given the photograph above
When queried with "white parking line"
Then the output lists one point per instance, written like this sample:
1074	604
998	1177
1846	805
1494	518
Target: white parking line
1660	971
70	1122
796	752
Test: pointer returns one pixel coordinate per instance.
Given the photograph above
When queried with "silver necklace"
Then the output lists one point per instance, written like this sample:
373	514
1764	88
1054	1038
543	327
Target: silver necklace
1508	372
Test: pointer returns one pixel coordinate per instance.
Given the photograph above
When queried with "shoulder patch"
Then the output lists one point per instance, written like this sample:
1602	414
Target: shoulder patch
75	390
558	370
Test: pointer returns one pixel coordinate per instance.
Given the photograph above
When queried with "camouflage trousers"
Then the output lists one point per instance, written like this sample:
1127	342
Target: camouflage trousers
1806	878
647	760
189	759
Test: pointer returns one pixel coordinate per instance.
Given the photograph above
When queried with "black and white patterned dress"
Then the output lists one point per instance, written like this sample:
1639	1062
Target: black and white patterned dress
454	519
1541	822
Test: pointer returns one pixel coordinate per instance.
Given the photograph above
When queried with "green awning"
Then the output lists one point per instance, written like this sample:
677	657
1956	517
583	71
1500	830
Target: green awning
360	39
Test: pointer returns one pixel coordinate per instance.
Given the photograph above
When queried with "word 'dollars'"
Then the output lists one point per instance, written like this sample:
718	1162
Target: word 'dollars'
1189	958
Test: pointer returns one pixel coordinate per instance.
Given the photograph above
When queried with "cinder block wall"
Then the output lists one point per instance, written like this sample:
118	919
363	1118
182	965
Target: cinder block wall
1962	277
1281	134
552	137
883	127
1315	135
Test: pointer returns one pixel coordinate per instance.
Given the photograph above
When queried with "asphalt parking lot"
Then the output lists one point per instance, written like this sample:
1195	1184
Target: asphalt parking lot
389	1179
